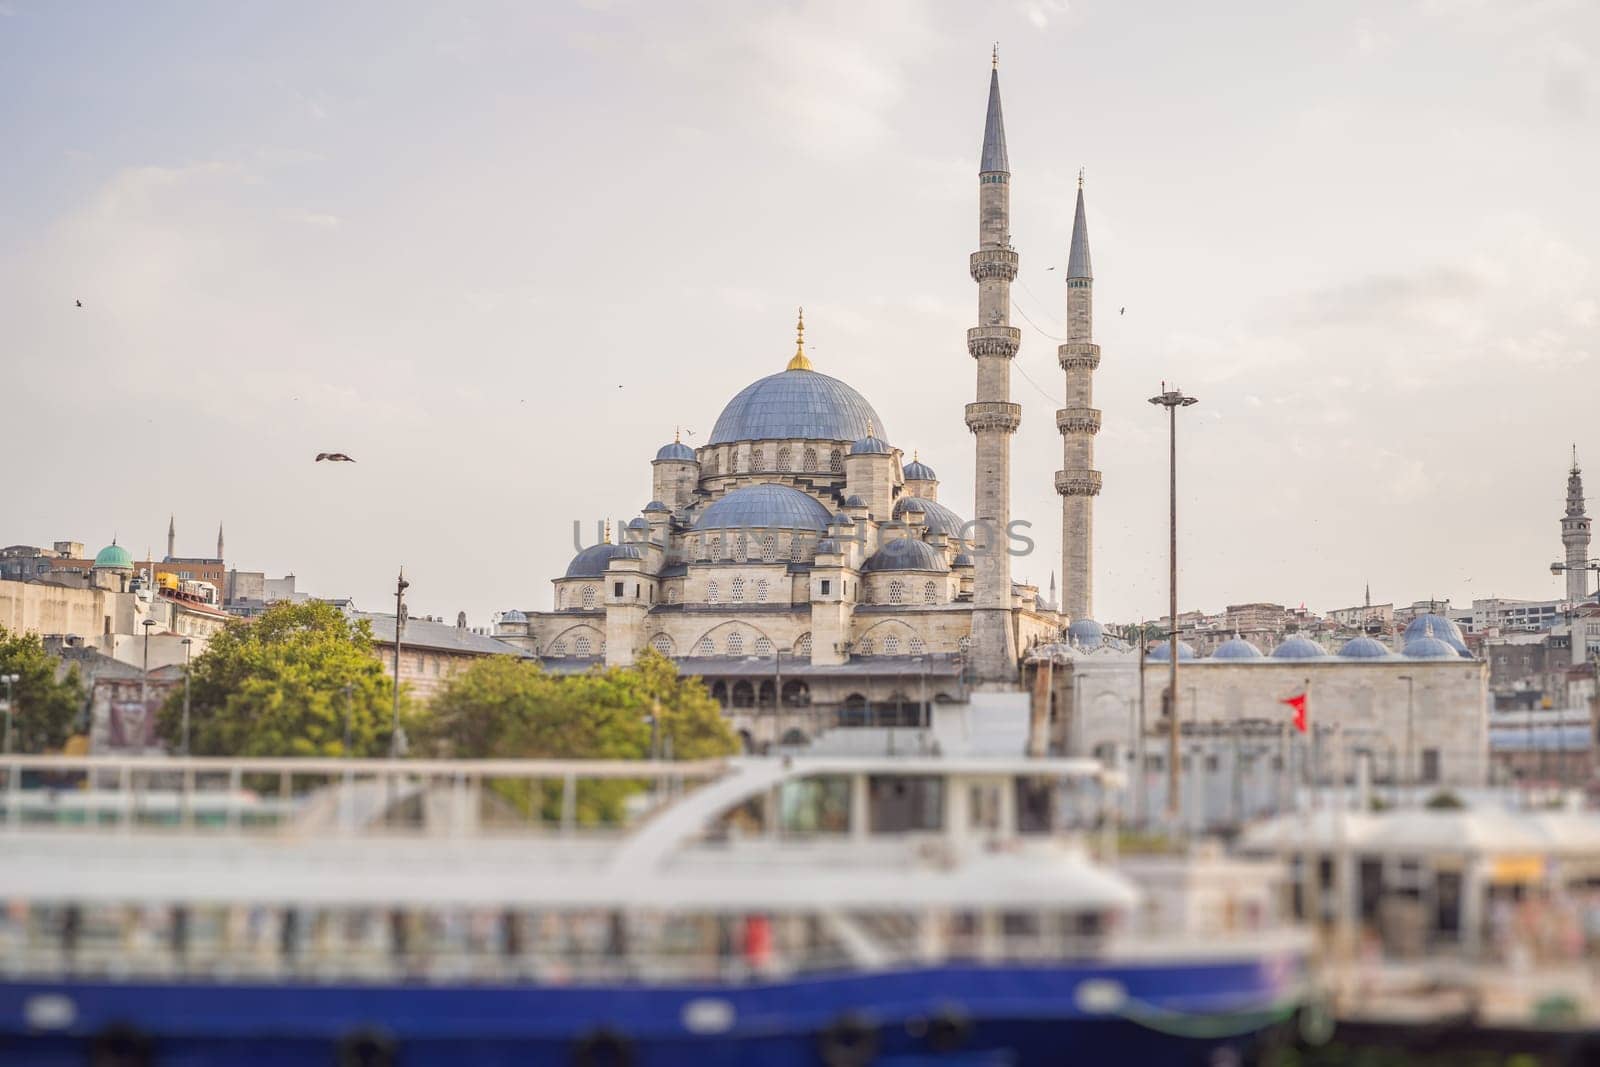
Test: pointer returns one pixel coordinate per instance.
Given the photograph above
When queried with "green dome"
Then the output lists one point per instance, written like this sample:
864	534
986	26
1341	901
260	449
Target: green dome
113	557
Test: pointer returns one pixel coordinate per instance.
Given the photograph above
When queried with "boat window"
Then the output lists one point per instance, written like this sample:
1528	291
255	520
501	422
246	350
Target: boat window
983	807
815	806
905	803
1035	797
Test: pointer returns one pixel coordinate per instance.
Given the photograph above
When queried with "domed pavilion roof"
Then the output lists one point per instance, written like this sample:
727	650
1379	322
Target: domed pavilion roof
113	557
796	404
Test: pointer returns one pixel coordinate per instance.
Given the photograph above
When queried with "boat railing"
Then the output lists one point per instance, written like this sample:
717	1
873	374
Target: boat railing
335	796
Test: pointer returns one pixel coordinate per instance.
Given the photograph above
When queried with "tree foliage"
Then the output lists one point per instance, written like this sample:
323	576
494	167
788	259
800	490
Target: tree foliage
508	708
44	706
294	681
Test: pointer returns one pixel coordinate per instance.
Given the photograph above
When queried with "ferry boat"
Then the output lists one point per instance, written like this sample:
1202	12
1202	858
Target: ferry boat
803	910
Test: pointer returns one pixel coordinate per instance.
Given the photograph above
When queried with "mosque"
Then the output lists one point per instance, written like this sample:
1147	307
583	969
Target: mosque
797	559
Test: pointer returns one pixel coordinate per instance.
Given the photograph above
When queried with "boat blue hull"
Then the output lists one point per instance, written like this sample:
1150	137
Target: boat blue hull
961	1014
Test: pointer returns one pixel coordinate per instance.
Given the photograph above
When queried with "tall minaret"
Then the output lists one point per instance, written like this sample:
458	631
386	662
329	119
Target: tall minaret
219	541
1078	482
1575	534
993	418
172	536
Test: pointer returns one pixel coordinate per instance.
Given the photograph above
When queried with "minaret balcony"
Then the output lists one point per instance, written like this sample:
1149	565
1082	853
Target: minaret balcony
1078	420
994	263
994	341
1079	482
993	415
1076	355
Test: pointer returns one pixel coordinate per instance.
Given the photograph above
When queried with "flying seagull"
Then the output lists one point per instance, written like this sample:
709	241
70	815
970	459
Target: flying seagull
334	457
1049	268
1122	311
79	303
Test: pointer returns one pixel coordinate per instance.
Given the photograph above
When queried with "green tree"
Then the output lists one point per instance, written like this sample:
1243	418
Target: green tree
45	706
291	682
507	708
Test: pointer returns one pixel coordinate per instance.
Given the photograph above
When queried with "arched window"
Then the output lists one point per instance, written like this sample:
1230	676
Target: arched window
763	647
588	598
797	547
864	647
769	549
783	457
714	464
761	590
582	645
758	459
744	695
662	644
711	591
672	594
719	691
891	645
930	592
796	694
836	461
736	644
808	460
703	647
965	643
897	591
802	644
917	647
714	549
558	650
740	549
738	590
561	597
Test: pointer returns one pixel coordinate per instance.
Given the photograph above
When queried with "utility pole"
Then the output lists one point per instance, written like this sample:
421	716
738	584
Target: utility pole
10	680
144	676
187	646
1172	399
401	585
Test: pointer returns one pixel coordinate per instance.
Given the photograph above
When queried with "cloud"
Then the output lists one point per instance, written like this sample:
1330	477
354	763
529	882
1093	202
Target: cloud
1041	12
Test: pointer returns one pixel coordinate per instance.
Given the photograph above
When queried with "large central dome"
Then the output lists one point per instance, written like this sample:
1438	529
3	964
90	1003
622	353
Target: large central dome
796	404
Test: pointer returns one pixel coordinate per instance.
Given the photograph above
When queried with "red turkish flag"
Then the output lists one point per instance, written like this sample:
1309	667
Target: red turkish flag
1298	703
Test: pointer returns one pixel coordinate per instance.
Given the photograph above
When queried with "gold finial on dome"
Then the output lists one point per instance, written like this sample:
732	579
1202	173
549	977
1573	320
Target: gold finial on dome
608	532
799	361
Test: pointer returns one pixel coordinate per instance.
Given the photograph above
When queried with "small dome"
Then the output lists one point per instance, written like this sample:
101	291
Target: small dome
918	471
627	552
853	501
1429	645
963	559
1163	651
677	450
1086	633
1298	647
841	519
827	545
113	557
940	519
638	524
1436	626
654	506
764	506
513	616
1236	647
870	446
1364	648
905	554
913	506
592	561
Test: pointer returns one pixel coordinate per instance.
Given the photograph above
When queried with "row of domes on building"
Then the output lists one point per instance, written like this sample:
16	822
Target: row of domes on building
1427	637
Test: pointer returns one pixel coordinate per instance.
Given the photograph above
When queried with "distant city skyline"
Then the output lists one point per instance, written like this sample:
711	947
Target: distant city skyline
499	256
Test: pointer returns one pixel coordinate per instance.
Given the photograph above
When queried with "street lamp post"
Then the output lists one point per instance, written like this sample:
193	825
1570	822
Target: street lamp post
187	645
1410	775
144	678
10	680
1587	565
400	587
1172	399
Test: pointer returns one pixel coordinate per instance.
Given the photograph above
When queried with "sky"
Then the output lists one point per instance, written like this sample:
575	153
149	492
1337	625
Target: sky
498	252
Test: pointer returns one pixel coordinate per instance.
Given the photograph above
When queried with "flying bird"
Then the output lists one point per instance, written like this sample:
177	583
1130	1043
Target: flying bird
1122	311
79	303
1049	268
334	457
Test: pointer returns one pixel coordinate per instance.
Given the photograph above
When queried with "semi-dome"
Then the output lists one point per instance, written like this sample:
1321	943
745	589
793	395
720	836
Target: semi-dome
1436	626
827	545
870	446
854	501
1364	648
1163	651
918	471
592	561
905	554
675	450
913	506
1236	647
1086	633
1298	647
963	559
113	557
841	519
655	506
765	506
939	518
796	404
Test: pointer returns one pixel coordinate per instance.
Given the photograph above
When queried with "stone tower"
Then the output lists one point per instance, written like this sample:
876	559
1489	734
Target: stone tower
992	418
1575	534
1078	482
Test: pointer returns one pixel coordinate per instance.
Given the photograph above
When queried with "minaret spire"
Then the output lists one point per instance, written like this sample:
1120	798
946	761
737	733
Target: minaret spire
172	536
1079	421
219	541
992	417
